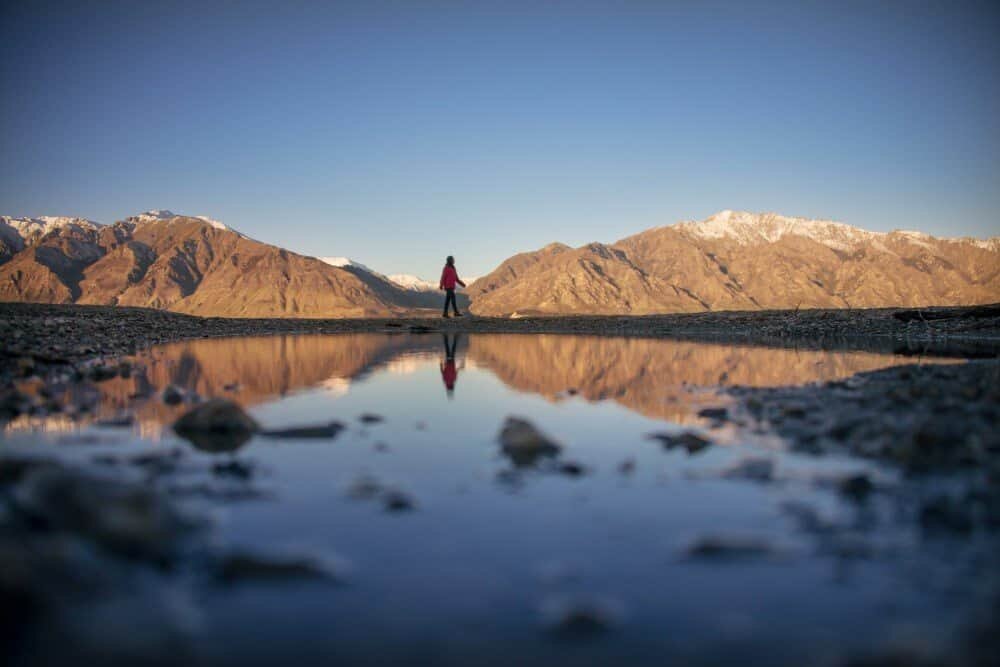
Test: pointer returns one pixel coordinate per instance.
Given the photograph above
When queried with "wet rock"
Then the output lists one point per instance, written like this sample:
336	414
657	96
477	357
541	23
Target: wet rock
14	469
714	414
369	418
241	567
173	395
237	469
131	520
102	372
688	440
754	469
217	425
580	616
524	444
396	500
945	514
330	430
232	386
857	487
724	547
571	469
118	421
13	403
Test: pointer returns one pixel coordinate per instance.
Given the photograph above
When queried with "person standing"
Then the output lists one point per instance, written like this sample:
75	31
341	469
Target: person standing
449	278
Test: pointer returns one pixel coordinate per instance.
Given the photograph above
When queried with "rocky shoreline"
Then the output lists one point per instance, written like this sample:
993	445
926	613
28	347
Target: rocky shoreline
40	337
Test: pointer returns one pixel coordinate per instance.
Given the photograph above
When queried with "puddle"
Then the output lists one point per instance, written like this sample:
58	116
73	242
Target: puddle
611	545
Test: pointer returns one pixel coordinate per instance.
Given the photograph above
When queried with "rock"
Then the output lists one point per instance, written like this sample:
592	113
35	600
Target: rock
238	469
238	567
946	514
755	469
217	425
580	616
131	520
857	487
572	469
524	444
395	500
316	431
118	421
714	414
688	440
369	418
728	547
173	395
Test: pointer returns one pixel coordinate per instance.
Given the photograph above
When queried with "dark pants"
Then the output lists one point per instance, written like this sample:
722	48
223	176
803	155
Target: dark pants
450	298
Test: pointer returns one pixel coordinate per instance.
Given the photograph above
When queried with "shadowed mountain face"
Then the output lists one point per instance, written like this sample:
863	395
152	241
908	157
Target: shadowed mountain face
662	379
188	265
744	261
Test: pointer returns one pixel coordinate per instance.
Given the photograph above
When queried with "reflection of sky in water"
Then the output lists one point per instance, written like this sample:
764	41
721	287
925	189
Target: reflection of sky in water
462	576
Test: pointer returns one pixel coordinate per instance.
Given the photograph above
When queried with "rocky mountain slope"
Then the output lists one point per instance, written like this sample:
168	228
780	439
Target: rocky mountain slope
744	261
185	264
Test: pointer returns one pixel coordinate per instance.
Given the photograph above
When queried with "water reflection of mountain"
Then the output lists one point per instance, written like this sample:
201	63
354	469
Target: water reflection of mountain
652	377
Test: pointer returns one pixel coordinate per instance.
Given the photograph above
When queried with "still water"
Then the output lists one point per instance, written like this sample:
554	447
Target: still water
491	553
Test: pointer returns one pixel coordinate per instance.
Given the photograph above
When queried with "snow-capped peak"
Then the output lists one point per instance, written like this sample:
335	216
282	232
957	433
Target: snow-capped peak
157	214
345	262
753	228
16	231
411	282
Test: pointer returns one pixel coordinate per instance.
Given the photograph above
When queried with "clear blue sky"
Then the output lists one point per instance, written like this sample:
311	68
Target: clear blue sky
398	132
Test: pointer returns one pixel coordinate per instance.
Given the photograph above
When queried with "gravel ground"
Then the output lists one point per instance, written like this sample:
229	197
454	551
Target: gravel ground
37	337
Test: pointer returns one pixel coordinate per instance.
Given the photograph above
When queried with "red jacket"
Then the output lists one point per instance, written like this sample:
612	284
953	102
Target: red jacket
449	277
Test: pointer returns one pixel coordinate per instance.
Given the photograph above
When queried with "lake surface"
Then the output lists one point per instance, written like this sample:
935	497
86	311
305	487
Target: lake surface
493	557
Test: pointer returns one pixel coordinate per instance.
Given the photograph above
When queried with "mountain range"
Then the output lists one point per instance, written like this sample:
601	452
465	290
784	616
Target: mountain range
743	261
730	261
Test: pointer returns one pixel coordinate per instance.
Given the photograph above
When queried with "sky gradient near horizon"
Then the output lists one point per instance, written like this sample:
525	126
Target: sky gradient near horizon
398	132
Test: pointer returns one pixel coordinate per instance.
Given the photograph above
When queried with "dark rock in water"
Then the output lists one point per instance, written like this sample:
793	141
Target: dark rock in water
13	470
715	414
364	487
581	616
101	372
627	467
369	418
754	469
857	487
239	567
118	421
945	514
572	469
217	425
317	431
13	403
173	395
238	469
396	500
524	444
420	328
131	520
688	440
729	547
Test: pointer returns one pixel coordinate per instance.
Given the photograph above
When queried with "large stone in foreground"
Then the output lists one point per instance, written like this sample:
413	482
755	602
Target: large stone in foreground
217	425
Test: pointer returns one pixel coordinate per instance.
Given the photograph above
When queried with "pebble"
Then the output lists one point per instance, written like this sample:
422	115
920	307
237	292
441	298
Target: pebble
581	615
688	440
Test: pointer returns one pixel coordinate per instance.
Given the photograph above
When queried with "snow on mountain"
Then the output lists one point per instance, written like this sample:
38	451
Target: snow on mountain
347	261
410	282
16	231
757	228
157	214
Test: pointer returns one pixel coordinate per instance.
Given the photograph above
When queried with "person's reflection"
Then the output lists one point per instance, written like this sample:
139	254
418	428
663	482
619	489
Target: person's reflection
449	372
